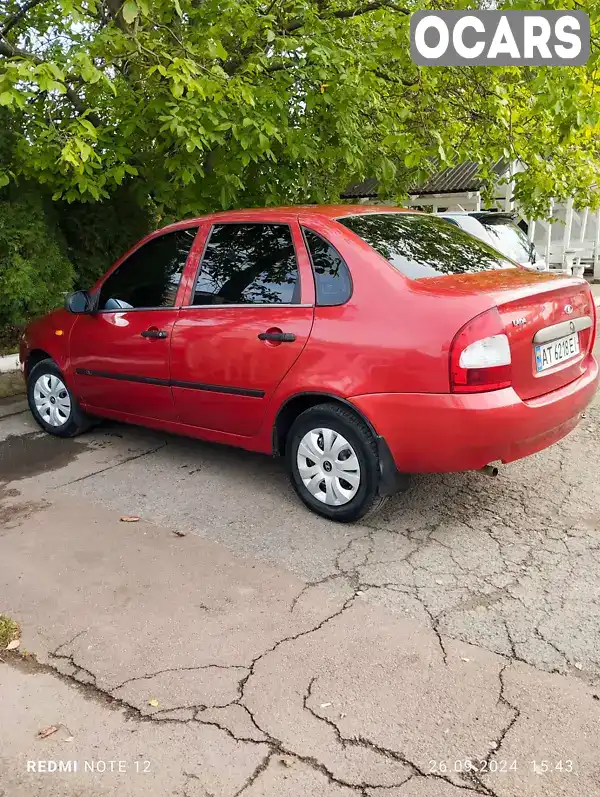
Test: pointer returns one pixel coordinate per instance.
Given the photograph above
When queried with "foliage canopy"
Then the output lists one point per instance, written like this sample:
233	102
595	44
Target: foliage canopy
34	268
200	104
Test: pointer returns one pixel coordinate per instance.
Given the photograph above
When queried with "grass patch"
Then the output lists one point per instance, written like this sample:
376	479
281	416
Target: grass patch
11	384
9	630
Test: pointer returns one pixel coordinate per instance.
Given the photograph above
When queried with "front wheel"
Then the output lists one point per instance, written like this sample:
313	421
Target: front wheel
333	463
52	403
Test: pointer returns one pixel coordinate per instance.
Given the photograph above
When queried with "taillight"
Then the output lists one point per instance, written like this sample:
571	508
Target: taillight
480	356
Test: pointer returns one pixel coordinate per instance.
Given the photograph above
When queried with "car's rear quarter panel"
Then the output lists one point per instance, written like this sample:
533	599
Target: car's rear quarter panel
387	352
392	336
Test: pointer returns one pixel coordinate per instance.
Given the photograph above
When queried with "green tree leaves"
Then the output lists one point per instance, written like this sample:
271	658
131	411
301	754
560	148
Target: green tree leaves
130	11
32	278
220	103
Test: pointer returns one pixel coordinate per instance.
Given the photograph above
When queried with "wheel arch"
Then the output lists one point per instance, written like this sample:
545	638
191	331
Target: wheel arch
392	480
34	357
298	403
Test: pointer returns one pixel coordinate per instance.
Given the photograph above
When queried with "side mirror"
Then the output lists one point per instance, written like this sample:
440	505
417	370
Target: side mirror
79	302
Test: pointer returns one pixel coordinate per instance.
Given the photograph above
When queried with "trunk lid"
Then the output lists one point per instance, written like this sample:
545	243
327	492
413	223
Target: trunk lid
534	321
533	305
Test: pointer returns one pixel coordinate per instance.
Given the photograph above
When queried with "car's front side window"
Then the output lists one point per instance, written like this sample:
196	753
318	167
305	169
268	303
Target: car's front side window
150	277
248	264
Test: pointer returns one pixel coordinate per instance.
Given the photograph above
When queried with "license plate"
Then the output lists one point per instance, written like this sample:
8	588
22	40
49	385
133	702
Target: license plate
547	355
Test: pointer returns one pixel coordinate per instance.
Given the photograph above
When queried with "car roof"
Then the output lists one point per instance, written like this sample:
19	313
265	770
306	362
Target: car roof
502	215
480	215
288	213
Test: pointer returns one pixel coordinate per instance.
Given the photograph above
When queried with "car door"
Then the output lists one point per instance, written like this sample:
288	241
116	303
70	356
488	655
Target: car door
249	316
120	353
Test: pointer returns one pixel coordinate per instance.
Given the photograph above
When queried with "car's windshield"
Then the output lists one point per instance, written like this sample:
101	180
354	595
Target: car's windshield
419	245
508	238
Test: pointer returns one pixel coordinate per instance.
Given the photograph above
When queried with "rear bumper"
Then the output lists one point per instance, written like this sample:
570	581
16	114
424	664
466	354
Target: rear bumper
430	432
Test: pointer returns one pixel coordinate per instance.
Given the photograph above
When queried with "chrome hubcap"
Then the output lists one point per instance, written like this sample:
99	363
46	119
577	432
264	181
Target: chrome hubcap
328	466
52	400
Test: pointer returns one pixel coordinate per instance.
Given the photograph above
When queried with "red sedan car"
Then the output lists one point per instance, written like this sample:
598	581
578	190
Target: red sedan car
361	343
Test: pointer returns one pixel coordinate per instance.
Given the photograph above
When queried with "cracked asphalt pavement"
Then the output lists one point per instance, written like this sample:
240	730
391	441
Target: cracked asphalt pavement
449	647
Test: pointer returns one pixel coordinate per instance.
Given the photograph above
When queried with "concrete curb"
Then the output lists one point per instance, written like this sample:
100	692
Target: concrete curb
10	362
13	405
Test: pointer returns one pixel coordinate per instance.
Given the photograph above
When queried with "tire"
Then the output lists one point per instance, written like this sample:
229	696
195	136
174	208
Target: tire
62	417
352	490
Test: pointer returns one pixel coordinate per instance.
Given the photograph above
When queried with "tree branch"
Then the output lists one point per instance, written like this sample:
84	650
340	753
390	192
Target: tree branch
9	51
18	16
283	64
115	12
233	65
398	81
356	12
350	13
270	8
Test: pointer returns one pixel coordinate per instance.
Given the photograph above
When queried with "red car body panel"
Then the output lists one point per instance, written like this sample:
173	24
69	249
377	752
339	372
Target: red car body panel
444	433
49	335
385	351
111	343
219	348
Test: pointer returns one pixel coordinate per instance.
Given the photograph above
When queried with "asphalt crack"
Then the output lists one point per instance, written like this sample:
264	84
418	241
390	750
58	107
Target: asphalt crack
495	748
256	773
348	602
114	465
350	574
384	752
149	676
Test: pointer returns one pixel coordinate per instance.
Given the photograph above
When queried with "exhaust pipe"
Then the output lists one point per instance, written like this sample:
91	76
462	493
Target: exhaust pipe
489	470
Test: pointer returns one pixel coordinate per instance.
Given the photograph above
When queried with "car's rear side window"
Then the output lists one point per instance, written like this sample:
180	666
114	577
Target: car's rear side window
419	245
333	282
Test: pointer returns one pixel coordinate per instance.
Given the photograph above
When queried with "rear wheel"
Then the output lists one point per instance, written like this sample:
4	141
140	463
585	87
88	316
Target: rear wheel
333	463
52	403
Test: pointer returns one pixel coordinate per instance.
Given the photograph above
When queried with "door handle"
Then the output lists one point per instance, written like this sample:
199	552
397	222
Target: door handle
159	334
278	337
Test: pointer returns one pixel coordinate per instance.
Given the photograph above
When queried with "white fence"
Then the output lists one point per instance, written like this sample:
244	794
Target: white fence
573	239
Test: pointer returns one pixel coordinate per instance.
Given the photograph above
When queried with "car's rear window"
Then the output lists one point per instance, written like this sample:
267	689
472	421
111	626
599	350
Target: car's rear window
419	245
